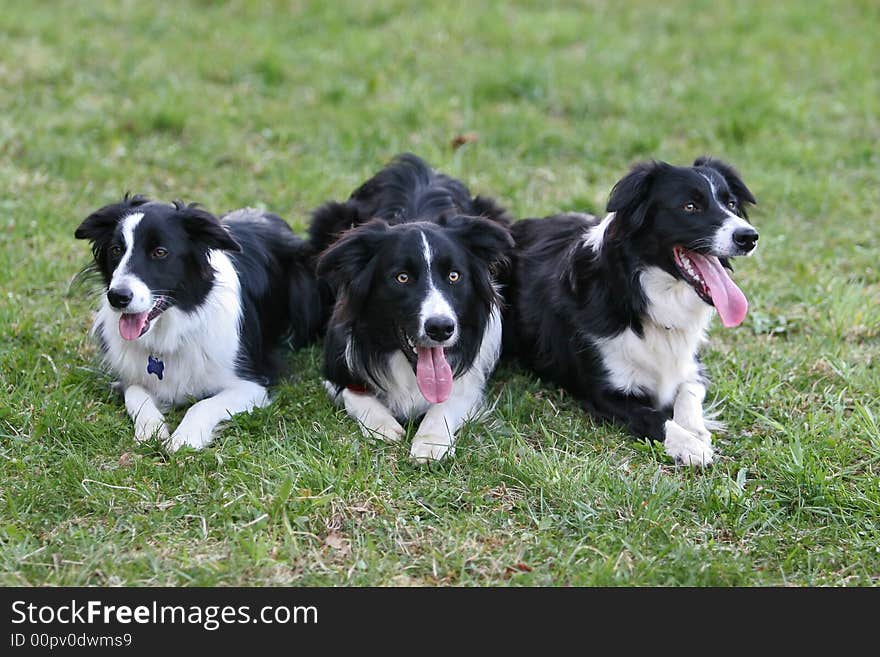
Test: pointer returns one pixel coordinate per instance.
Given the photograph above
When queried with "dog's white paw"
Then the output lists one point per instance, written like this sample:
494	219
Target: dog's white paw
686	448
699	430
704	435
148	429
389	431
191	434
427	448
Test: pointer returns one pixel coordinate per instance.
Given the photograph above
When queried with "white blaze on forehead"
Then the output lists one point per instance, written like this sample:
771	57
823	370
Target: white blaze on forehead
142	298
730	215
426	251
128	226
434	303
714	191
723	241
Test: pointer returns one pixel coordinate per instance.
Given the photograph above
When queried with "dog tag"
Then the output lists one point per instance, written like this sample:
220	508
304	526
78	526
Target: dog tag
155	366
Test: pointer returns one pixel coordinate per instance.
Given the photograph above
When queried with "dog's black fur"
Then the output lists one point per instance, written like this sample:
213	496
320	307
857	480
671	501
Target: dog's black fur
280	298
381	226
564	298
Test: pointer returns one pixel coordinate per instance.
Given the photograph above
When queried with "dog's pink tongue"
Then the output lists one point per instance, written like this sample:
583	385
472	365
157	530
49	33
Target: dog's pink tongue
131	325
729	300
433	374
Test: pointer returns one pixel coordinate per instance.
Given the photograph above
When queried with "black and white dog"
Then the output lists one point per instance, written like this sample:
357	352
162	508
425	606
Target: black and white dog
615	310
197	307
416	329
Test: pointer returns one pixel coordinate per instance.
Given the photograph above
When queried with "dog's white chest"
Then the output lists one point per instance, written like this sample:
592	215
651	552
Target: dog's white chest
198	350
194	373
655	364
196	368
664	357
402	394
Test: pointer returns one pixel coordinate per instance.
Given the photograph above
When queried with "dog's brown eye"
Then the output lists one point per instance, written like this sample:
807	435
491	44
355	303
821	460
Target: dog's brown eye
454	276
689	207
159	253
402	278
731	205
116	251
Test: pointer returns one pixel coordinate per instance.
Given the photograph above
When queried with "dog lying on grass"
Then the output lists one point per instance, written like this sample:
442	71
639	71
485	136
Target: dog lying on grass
196	307
416	330
614	310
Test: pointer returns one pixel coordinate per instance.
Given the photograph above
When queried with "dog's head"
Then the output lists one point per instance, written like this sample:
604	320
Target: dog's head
424	288
689	221
152	256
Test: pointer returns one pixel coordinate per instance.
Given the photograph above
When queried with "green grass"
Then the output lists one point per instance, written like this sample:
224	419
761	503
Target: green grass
288	104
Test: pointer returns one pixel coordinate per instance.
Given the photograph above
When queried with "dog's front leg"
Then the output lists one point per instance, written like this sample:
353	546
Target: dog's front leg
197	427
688	410
148	419
647	422
436	435
374	419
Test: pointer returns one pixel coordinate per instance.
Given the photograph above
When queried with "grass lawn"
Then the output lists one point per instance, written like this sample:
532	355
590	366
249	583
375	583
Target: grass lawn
237	103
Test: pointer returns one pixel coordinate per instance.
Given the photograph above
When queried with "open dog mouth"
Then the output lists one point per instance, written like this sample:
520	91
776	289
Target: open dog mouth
433	372
712	283
134	325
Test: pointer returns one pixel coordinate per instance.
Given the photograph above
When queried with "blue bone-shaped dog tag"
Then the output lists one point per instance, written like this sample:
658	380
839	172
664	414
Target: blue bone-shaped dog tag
155	366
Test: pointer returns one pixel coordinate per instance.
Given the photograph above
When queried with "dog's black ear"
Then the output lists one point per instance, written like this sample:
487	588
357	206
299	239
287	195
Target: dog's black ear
488	208
348	259
629	198
732	178
329	222
488	240
101	222
205	228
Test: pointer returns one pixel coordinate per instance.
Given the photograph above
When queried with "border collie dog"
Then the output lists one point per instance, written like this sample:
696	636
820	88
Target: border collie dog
615	310
416	329
197	307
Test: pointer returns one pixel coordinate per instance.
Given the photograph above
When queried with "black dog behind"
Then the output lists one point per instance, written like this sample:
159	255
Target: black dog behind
197	307
615	310
416	329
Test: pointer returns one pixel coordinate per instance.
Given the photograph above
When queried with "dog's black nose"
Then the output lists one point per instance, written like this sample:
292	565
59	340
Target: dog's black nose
745	238
439	328
119	297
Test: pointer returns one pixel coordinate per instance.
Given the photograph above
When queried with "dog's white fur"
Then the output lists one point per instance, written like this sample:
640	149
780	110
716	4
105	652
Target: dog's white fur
594	238
435	437
663	360
199	350
142	298
723	242
435	304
